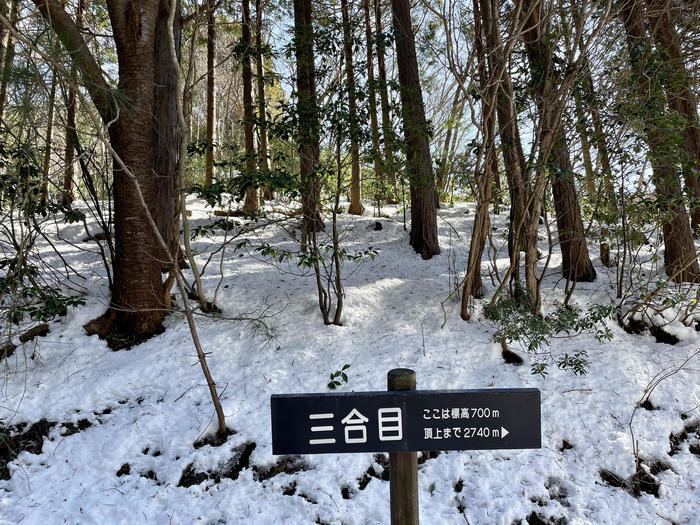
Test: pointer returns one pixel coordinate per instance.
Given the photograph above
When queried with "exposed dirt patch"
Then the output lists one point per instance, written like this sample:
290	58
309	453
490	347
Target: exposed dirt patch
639	327
229	469
510	357
285	464
191	477
14	440
149	475
6	350
691	431
538	519
632	326
612	479
648	405
290	489
641	481
459	486
565	445
124	470
557	491
71	428
382	462
346	492
662	336
214	440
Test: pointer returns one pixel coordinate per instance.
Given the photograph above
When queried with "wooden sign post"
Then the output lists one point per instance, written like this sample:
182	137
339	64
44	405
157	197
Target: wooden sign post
403	466
402	421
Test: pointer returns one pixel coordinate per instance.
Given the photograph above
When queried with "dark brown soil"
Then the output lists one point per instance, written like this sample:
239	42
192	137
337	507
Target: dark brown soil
124	470
285	464
71	428
230	469
15	439
214	440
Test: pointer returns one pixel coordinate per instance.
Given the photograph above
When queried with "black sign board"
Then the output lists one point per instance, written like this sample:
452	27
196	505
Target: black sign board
406	421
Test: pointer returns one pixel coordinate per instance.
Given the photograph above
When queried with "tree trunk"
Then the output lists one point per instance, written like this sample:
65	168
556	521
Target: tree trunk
4	33
389	167
680	97
8	59
211	102
71	128
679	256
356	207
166	135
582	131
604	190
444	167
137	306
49	142
251	206
424	238
137	297
576	263
372	99
263	153
486	164
522	232
308	139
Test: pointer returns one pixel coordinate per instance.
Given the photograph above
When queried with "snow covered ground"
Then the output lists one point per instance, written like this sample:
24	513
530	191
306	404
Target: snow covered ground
126	422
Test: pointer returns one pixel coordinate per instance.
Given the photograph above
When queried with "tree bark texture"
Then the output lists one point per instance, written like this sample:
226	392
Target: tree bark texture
8	58
680	96
211	92
4	33
71	128
49	141
356	207
251	205
263	153
165	207
309	147
423	237
679	256
136	306
372	97
389	167
444	168
486	164
138	293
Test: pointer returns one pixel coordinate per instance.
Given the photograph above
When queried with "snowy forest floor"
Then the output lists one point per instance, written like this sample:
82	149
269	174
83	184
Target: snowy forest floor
103	437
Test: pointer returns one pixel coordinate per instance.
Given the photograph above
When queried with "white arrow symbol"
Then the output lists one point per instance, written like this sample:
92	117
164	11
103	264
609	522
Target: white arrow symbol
504	432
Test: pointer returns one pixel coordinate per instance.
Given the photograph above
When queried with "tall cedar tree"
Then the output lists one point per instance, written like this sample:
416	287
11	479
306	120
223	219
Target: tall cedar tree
679	255
387	127
165	207
263	153
356	207
211	92
372	96
679	94
251	205
423	238
308	138
8	55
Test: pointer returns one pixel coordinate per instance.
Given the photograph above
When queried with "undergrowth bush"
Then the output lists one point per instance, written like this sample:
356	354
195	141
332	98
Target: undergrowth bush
515	322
